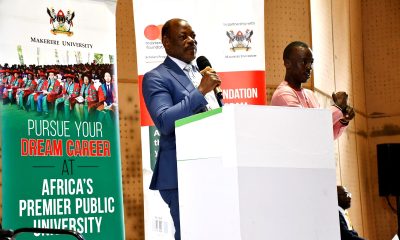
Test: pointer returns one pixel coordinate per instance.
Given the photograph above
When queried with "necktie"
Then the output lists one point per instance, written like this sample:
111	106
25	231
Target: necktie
189	72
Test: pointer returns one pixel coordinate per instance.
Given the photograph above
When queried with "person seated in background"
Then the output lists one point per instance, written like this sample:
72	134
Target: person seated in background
11	90
347	231
70	91
110	91
93	98
81	105
5	79
298	60
52	95
42	84
2	71
51	80
29	87
108	96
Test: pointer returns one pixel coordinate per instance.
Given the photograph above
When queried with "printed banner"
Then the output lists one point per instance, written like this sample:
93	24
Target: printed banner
231	35
60	130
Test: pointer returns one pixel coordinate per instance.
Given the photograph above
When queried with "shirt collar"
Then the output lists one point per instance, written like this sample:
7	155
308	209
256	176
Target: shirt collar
342	210
181	64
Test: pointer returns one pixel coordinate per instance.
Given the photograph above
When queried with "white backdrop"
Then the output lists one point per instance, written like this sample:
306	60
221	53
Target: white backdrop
92	28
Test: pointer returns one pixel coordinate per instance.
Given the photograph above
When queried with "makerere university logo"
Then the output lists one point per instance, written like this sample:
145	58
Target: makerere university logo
240	40
61	23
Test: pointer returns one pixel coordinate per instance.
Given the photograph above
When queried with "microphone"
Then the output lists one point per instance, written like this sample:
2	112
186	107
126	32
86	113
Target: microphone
202	63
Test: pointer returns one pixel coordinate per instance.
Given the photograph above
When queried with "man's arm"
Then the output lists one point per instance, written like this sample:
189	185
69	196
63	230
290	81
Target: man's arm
158	95
338	126
345	233
342	114
349	235
289	98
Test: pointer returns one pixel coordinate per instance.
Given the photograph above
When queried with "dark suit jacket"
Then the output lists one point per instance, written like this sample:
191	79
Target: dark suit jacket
169	95
345	232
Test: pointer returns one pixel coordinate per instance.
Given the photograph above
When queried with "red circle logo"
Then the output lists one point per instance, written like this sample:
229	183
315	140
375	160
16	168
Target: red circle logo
152	32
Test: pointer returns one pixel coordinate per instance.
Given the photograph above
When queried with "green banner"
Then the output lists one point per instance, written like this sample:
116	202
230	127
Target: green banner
61	175
61	165
154	137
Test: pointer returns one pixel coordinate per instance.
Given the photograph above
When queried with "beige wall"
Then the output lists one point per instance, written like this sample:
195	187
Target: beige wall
337	43
381	35
354	48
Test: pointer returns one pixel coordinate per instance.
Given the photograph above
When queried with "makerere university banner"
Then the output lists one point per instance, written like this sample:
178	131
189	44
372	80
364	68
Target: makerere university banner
60	131
231	35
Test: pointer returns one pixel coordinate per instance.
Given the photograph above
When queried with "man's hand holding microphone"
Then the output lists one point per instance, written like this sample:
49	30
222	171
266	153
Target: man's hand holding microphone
210	80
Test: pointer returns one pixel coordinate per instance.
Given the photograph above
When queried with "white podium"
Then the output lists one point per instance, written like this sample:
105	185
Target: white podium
257	172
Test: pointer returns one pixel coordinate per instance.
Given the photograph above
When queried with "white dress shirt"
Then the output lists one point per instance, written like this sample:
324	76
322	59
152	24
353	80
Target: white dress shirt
346	217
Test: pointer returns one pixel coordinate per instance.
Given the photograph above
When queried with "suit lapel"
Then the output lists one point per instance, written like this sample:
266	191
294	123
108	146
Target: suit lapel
178	74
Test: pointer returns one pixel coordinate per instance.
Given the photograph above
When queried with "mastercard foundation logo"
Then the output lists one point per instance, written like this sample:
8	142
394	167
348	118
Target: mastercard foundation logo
153	32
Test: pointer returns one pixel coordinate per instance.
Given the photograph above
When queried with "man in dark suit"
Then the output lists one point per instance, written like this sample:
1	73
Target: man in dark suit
173	91
346	229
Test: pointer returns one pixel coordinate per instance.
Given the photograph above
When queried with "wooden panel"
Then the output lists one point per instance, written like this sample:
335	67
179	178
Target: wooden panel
381	35
126	44
129	122
131	160
285	21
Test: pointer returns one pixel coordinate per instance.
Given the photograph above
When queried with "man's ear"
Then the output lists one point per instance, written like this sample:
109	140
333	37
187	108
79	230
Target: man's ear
165	42
287	63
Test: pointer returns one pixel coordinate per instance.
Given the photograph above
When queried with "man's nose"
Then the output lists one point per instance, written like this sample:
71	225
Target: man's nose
192	40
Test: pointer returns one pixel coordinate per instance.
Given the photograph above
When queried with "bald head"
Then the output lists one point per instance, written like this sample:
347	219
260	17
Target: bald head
166	29
340	189
179	40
